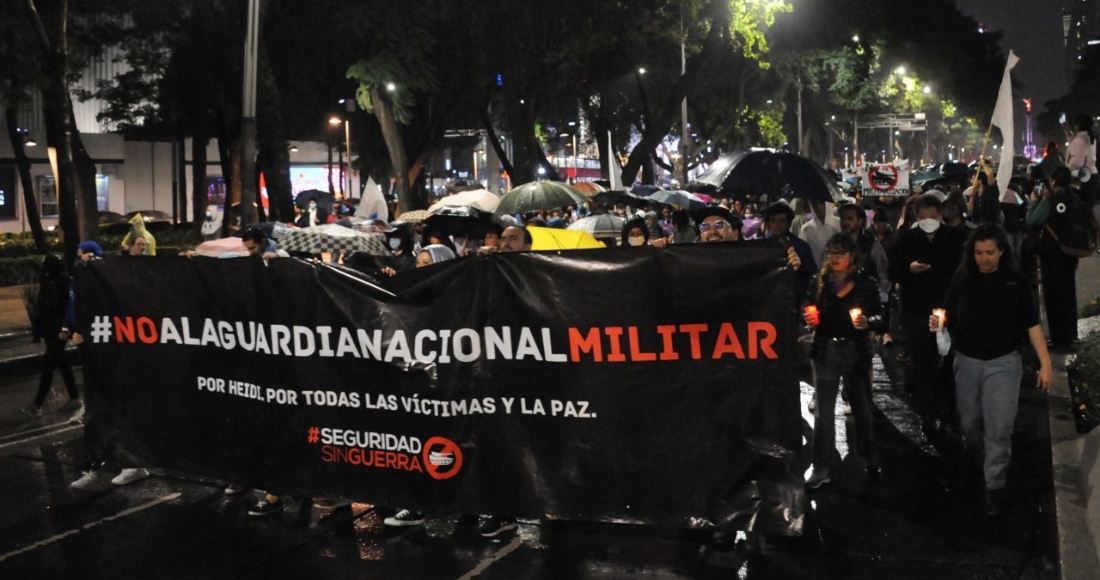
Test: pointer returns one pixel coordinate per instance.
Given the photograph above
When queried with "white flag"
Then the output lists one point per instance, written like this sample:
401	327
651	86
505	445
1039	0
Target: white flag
373	203
1002	119
613	168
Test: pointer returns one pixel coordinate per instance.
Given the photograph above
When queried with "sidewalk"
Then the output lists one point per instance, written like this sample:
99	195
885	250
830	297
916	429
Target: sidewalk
19	357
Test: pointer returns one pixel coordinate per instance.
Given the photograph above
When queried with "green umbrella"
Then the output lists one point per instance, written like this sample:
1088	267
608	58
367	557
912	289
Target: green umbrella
539	195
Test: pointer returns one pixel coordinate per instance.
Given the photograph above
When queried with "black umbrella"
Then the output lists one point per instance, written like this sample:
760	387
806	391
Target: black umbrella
324	199
955	169
680	199
623	197
774	173
273	230
462	221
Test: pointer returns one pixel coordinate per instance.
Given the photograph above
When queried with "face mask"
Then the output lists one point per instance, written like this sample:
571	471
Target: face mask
312	207
928	225
635	240
395	243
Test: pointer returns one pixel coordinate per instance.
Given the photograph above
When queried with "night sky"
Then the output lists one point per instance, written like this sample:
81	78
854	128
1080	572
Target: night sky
1033	30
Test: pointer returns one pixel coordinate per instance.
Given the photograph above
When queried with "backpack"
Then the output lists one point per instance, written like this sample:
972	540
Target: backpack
1074	228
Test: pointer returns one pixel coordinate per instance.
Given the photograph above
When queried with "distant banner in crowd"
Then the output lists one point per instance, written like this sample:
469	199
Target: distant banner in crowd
885	180
628	384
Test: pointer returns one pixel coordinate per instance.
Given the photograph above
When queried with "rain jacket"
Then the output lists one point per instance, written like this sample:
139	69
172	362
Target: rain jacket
137	227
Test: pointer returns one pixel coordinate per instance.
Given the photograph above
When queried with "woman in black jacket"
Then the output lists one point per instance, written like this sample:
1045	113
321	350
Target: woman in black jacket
844	308
53	299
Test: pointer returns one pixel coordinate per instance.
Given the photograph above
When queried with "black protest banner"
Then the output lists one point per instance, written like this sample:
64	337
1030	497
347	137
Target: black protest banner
628	384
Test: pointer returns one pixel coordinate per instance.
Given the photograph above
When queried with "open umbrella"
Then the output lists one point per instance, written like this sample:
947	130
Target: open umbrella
416	215
680	199
362	224
479	198
273	230
463	221
775	173
221	247
589	188
539	195
559	239
333	239
623	197
324	199
603	225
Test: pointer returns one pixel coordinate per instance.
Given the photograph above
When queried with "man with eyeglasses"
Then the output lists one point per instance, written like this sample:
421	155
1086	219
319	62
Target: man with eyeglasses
717	224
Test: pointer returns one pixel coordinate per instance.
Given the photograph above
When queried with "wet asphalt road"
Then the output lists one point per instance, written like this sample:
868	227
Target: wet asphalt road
916	522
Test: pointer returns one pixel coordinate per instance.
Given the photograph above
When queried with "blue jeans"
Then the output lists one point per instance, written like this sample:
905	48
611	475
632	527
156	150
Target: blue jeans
847	360
988	394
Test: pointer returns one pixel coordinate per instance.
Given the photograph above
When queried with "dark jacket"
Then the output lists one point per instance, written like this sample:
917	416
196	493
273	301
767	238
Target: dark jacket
920	293
864	296
53	299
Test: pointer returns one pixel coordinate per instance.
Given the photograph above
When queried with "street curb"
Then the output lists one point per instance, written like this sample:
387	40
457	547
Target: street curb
1077	548
28	365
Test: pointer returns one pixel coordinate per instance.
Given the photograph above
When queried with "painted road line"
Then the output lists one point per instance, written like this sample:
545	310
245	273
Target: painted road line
42	433
58	537
484	564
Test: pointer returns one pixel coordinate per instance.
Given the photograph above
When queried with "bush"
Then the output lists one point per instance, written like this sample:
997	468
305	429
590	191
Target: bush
22	244
21	270
1085	383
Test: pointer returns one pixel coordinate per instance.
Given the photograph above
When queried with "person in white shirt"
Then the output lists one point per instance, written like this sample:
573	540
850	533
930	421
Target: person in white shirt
818	230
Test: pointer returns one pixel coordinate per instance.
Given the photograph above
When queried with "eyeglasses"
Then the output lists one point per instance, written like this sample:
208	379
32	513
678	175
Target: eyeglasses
719	226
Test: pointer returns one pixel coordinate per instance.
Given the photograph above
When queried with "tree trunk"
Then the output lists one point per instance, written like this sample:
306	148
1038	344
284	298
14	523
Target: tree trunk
407	199
54	63
494	140
666	117
198	182
84	181
30	202
273	144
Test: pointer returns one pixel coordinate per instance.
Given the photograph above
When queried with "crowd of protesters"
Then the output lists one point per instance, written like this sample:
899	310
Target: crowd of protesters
938	267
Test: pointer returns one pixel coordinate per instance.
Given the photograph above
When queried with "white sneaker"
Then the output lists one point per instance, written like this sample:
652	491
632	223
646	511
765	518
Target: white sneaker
91	481
234	488
78	416
130	475
405	518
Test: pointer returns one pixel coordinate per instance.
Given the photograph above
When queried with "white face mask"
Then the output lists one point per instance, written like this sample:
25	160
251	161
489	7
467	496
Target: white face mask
635	240
928	225
395	243
460	245
312	207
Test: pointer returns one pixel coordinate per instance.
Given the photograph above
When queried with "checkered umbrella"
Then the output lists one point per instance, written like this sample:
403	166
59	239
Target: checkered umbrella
333	238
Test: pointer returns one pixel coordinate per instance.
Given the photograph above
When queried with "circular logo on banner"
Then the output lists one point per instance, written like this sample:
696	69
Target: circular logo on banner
884	177
442	458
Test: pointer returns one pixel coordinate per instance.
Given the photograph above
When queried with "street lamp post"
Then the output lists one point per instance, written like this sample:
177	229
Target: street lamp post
334	121
350	106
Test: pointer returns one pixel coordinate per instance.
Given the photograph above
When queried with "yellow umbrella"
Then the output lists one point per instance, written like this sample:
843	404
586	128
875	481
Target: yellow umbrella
559	239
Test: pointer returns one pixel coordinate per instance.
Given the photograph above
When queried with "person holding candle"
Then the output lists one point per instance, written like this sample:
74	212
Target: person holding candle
843	307
989	307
